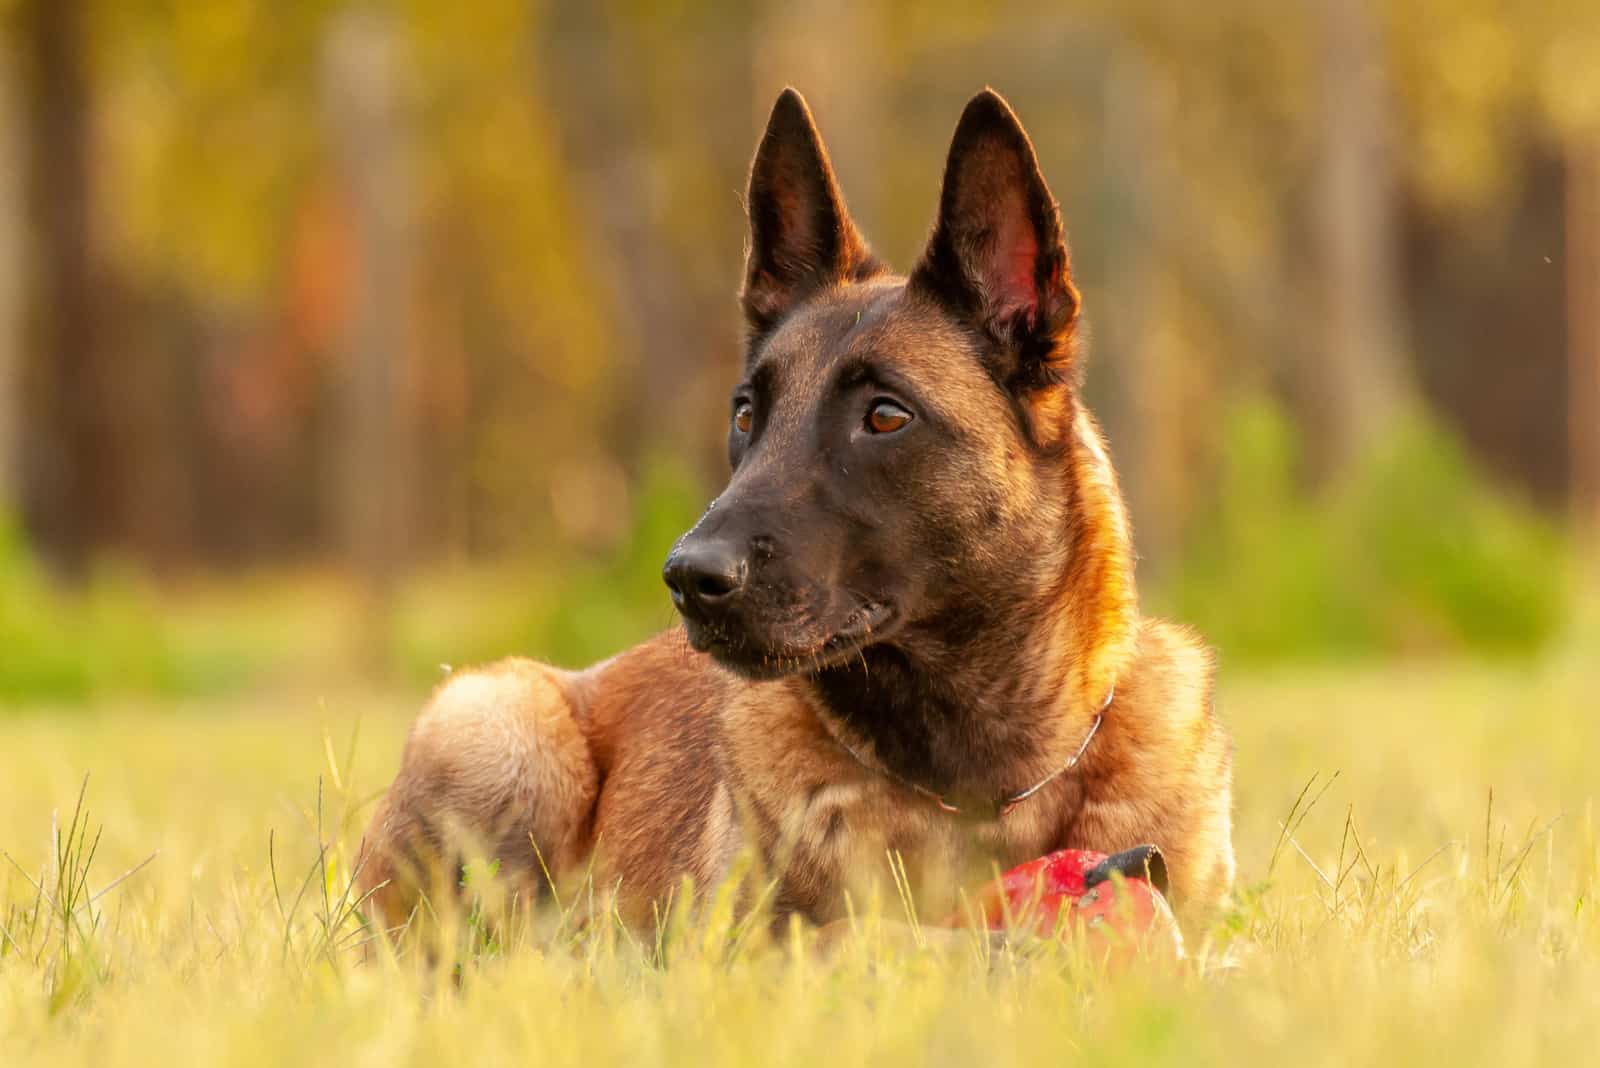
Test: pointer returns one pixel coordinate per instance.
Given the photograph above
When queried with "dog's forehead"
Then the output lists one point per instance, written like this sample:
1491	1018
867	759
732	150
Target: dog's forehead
881	324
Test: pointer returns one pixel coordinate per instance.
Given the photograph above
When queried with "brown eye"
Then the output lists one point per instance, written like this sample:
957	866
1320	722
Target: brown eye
743	417
886	417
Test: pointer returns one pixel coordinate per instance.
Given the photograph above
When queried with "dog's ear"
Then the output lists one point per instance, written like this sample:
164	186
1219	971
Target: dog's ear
998	260
801	236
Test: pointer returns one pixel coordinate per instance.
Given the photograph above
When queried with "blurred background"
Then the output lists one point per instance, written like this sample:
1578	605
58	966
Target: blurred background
341	340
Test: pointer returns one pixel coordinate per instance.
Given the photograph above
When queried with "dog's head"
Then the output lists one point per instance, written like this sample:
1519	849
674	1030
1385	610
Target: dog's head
897	442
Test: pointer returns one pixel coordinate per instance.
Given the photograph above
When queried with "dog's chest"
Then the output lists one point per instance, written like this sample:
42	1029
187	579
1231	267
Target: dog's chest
830	827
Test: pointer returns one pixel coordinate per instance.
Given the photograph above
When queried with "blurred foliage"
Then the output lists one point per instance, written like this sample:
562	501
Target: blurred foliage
121	633
1411	552
571	612
59	646
1469	72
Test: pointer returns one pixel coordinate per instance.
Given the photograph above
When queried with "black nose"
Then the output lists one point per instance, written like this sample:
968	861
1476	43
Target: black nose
705	577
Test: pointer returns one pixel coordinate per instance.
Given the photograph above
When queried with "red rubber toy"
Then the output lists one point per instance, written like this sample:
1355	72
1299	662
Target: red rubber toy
1125	916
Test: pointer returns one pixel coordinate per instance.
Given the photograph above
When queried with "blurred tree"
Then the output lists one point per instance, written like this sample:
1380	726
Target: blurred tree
831	50
1144	409
1583	329
12	262
69	481
659	148
518	373
1365	383
221	217
371	129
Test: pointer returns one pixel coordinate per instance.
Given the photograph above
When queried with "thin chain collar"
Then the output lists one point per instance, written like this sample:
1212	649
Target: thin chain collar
1000	806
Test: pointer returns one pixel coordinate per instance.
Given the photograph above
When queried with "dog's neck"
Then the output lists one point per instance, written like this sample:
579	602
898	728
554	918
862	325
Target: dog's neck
1006	702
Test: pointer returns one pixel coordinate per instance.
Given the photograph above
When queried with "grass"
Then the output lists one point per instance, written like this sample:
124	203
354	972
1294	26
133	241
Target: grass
1401	916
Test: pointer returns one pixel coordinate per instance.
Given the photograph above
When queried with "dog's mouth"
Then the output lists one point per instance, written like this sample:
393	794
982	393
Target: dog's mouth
866	625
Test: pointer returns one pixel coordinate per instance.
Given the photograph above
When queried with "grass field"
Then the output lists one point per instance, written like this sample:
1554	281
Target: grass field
1407	919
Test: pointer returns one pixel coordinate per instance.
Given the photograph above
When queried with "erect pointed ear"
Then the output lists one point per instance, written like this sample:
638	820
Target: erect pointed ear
801	236
996	257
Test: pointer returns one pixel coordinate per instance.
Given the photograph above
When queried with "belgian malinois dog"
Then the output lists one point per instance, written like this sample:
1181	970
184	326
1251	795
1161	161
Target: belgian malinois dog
909	621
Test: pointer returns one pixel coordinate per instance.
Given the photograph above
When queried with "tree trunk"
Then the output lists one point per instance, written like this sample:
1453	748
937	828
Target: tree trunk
1583	333
371	136
11	261
1144	405
1361	379
67	496
828	51
653	142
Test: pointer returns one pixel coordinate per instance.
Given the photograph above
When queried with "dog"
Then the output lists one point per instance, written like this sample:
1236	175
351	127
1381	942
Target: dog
909	622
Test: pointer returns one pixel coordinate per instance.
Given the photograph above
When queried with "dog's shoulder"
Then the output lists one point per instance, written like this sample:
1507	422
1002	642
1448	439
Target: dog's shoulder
652	716
1161	737
1161	769
1171	680
658	697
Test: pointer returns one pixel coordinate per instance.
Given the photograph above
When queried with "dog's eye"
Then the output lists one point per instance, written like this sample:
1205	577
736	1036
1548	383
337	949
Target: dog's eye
743	416
885	417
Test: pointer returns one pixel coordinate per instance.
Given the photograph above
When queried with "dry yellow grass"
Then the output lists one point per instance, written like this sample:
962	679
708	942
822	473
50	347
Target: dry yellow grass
1406	920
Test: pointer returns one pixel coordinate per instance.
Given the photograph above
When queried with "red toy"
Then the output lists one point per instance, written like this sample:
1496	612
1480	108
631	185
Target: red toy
1122	915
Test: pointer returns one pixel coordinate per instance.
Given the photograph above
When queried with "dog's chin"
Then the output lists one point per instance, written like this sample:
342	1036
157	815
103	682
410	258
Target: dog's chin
776	656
